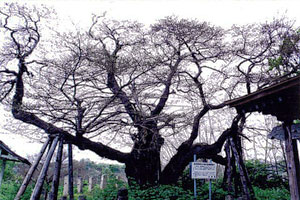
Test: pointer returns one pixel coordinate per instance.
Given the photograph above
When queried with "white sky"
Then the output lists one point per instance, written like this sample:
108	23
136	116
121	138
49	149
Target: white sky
219	12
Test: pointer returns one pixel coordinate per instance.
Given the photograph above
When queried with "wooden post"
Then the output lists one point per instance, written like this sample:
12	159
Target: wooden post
290	145
297	165
39	184
31	171
55	181
248	191
70	157
229	169
2	171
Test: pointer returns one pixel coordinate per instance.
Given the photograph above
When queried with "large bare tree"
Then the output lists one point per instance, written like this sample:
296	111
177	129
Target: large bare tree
112	89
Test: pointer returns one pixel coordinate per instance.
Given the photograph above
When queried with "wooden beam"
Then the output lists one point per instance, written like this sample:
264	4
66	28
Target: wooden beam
55	181
291	164
39	184
31	171
8	157
70	157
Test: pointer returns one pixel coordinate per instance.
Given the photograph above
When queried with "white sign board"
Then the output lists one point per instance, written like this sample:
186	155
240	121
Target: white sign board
203	170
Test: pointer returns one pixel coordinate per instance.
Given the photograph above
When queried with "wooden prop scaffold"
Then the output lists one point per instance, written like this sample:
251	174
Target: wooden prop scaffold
52	142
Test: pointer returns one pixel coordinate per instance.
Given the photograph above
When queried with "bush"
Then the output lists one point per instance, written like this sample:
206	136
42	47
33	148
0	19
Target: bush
267	185
11	183
263	175
271	193
108	193
160	192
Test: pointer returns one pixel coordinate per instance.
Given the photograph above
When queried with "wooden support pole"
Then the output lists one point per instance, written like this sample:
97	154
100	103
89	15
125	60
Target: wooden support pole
70	169
229	169
31	170
291	157
39	184
55	180
297	165
2	171
247	188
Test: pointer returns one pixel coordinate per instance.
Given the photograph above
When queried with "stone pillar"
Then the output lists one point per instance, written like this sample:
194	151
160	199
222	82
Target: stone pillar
66	186
103	181
91	183
118	179
79	184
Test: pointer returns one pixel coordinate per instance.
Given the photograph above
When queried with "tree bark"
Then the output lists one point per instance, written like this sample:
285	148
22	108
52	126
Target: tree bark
143	165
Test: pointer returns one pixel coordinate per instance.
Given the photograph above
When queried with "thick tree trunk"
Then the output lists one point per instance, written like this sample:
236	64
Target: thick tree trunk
143	165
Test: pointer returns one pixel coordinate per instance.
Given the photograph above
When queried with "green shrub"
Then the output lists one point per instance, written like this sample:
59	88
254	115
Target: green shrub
108	193
263	175
11	183
271	193
160	192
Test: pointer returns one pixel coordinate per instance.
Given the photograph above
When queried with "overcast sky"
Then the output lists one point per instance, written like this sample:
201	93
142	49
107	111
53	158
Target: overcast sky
223	13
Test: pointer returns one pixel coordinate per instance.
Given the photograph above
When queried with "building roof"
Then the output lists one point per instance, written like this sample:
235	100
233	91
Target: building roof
281	100
8	154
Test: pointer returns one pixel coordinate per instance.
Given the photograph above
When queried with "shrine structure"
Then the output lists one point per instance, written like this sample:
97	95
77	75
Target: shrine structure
282	100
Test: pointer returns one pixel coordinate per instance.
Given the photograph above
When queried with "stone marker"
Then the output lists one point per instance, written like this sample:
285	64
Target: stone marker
103	181
91	183
79	184
66	186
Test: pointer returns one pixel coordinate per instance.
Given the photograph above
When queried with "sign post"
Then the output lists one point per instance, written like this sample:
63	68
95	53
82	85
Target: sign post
195	183
203	170
209	194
